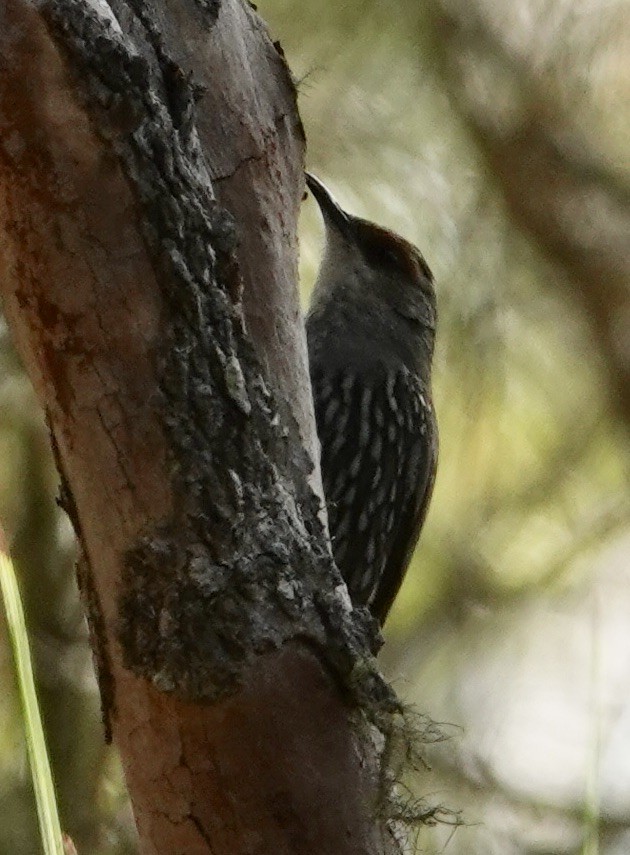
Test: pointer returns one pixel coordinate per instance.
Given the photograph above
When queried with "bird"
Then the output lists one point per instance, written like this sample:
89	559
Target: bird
370	333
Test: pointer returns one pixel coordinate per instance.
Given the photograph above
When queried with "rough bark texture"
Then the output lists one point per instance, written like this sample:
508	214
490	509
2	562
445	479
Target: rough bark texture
150	178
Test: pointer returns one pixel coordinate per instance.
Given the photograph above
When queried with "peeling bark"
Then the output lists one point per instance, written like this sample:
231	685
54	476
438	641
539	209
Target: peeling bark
150	178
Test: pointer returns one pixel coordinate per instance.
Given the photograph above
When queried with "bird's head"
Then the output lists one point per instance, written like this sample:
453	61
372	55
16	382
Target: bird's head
372	264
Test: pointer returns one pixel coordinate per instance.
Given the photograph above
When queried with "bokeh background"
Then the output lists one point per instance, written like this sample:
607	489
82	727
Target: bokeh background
496	136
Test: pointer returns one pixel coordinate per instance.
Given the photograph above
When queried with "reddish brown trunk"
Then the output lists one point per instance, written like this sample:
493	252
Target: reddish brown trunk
227	656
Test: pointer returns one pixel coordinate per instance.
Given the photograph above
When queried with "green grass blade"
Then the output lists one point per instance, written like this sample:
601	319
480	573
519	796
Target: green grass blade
47	813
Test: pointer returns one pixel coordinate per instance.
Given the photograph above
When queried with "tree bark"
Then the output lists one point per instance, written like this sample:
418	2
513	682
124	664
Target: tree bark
150	180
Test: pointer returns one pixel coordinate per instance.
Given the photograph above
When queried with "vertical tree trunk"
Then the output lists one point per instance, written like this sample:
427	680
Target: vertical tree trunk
150	179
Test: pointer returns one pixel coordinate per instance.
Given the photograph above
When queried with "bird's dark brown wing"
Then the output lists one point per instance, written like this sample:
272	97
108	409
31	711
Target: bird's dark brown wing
377	435
412	520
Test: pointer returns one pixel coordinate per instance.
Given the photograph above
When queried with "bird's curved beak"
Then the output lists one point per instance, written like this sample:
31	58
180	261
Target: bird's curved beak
332	212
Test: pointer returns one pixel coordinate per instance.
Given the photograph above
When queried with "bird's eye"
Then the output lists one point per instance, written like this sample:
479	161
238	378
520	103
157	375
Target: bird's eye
382	256
386	251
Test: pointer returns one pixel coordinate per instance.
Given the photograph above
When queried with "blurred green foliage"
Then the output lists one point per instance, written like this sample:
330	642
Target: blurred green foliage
533	478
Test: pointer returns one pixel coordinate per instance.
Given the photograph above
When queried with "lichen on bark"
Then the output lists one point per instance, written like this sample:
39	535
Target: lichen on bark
242	565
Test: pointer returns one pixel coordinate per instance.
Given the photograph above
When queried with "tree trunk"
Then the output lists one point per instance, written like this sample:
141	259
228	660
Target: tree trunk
150	180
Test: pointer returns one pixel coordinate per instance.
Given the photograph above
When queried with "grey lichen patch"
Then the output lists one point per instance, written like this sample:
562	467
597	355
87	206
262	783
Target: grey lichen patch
235	385
207	591
192	623
212	7
402	741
